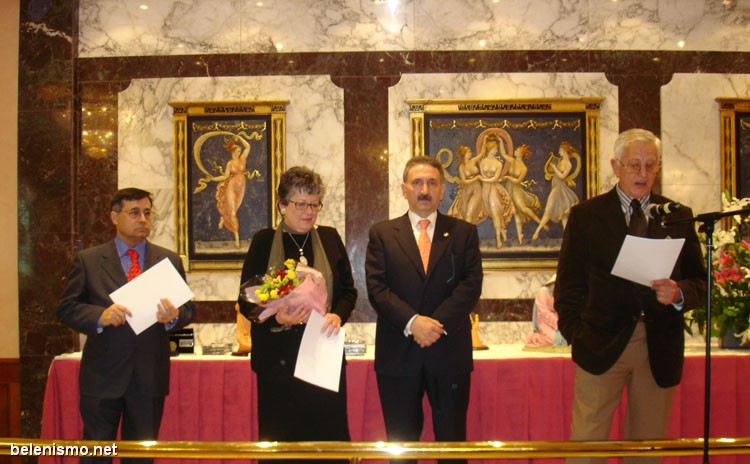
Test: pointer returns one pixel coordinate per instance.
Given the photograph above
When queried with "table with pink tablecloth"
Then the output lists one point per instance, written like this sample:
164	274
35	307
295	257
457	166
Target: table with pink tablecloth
515	395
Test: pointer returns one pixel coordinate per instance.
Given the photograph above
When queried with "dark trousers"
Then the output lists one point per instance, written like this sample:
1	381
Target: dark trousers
291	410
140	416
401	400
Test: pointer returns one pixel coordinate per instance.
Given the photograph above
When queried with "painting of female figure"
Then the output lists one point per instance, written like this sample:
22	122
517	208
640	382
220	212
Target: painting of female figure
467	204
495	199
231	188
561	196
526	203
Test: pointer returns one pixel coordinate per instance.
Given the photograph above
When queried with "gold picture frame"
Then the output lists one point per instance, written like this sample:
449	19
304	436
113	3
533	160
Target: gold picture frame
501	160
228	160
735	146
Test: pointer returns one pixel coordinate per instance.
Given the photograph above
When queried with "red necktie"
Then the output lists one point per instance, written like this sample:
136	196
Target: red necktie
135	267
424	243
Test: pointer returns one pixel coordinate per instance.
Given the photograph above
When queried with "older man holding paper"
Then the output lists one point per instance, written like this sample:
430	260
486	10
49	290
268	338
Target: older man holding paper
625	333
125	367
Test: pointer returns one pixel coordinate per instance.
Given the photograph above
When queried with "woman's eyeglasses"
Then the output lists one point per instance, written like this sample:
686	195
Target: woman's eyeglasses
302	206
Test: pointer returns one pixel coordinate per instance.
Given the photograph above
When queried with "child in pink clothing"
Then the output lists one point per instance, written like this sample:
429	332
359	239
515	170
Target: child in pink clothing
545	318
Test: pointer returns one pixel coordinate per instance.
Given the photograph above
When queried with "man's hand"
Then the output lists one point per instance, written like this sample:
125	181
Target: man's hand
426	330
114	315
166	311
667	291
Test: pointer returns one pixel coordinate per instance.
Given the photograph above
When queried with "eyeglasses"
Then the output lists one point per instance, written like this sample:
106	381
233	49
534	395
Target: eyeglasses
634	167
135	213
302	206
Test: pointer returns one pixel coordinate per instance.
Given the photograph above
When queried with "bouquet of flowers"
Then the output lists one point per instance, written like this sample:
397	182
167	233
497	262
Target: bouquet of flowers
730	265
292	285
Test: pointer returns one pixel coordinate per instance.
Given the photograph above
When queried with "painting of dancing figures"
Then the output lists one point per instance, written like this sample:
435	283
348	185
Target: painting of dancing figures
515	176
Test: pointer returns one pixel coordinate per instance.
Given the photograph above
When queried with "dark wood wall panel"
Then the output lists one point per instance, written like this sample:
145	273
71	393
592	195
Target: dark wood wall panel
10	398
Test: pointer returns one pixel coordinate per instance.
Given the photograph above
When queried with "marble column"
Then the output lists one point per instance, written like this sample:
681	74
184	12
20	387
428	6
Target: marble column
47	172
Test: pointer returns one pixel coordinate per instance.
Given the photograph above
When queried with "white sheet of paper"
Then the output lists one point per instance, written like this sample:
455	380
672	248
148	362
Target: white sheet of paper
643	260
142	294
319	358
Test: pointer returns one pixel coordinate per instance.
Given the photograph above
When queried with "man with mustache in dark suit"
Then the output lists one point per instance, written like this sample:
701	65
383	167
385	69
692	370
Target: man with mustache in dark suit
424	277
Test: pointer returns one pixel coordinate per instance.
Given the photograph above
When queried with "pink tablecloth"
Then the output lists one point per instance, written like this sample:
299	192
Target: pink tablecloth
513	398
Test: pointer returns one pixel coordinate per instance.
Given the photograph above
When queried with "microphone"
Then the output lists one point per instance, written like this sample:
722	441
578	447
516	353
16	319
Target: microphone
658	211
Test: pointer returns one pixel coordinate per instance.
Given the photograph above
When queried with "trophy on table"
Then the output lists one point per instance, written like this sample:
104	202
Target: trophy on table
476	342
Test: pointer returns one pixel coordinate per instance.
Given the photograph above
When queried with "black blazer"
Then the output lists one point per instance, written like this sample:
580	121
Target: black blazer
112	357
598	311
278	350
398	289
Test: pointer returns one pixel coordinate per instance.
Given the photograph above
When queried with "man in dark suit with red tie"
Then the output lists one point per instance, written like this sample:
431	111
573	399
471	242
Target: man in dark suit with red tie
424	277
624	334
123	375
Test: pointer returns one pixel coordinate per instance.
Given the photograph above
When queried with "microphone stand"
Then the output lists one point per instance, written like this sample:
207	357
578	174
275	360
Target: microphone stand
708	222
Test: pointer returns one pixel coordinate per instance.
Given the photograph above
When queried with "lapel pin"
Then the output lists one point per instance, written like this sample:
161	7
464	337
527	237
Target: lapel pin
445	234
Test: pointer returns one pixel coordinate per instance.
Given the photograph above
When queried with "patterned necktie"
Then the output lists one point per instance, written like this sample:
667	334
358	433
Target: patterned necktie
135	267
424	243
638	224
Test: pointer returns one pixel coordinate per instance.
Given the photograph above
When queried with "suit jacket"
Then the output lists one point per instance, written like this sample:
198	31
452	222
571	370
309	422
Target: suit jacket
398	289
111	358
278	350
598	311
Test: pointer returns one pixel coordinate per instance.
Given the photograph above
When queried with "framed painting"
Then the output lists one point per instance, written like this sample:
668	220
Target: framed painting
514	168
228	159
735	146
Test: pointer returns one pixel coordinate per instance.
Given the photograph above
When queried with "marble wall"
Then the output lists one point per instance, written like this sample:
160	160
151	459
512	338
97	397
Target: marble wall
346	68
507	284
314	137
691	163
110	28
691	136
